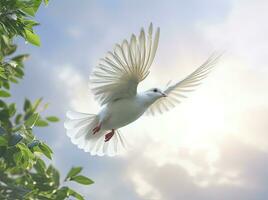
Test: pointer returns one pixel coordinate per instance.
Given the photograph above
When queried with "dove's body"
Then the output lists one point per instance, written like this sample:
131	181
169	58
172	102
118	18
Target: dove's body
122	112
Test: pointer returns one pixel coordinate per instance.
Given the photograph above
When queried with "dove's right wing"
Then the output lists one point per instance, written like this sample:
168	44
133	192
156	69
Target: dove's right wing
176	92
119	73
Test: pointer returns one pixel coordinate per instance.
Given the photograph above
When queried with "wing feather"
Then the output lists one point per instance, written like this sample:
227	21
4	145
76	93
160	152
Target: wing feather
119	73
176	92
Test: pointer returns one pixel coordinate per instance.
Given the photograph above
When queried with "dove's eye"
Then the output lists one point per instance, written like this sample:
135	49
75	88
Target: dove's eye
155	90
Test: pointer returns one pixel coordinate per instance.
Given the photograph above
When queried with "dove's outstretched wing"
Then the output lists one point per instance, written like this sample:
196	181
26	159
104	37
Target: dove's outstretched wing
176	92
119	73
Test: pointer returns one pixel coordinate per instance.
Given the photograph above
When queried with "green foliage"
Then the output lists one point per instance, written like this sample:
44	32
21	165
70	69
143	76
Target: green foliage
4	93
16	19
82	180
73	172
52	119
73	176
23	172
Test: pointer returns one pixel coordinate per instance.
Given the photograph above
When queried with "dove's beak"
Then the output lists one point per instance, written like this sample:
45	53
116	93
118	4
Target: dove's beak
164	94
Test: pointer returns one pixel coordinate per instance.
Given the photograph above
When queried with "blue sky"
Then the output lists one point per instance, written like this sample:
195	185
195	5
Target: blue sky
213	146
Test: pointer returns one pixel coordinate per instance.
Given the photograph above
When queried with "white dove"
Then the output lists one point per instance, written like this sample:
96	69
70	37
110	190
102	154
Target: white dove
114	83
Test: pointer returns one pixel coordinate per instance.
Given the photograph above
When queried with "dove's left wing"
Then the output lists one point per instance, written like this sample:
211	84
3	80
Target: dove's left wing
119	73
176	92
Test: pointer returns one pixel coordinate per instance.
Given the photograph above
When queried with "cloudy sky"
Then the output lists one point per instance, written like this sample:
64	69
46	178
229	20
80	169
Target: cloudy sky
212	146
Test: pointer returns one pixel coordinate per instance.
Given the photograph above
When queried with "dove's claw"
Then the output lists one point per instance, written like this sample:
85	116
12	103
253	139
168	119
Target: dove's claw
96	129
109	135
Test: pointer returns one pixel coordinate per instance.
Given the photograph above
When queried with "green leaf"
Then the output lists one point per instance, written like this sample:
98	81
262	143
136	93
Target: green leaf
29	11
12	109
4	93
27	155
10	50
53	119
30	122
54	173
32	38
3	75
32	8
49	149
61	193
20	58
27	105
75	194
82	180
3	104
45	150
37	103
30	23
45	106
46	2
17	157
19	72
40	166
41	123
73	172
3	141
13	80
6	40
6	85
18	118
37	4
4	115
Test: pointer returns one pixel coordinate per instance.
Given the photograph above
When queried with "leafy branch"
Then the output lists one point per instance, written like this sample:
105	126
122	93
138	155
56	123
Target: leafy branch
23	171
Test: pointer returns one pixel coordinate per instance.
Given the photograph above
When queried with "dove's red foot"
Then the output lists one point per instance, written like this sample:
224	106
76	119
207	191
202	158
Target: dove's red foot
96	129
109	135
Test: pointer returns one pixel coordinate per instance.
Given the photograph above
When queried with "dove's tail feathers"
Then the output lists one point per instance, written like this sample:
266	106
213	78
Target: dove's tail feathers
80	130
116	145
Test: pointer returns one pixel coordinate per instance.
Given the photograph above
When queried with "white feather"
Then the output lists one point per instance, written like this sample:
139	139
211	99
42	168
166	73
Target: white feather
175	92
79	128
119	73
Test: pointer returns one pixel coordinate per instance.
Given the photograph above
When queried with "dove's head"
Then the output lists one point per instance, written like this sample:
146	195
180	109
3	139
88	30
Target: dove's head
153	94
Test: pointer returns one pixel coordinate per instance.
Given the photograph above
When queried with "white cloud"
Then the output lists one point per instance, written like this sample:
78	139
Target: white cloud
75	86
244	32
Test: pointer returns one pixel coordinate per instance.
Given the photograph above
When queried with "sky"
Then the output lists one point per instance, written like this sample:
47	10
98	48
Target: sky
214	145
